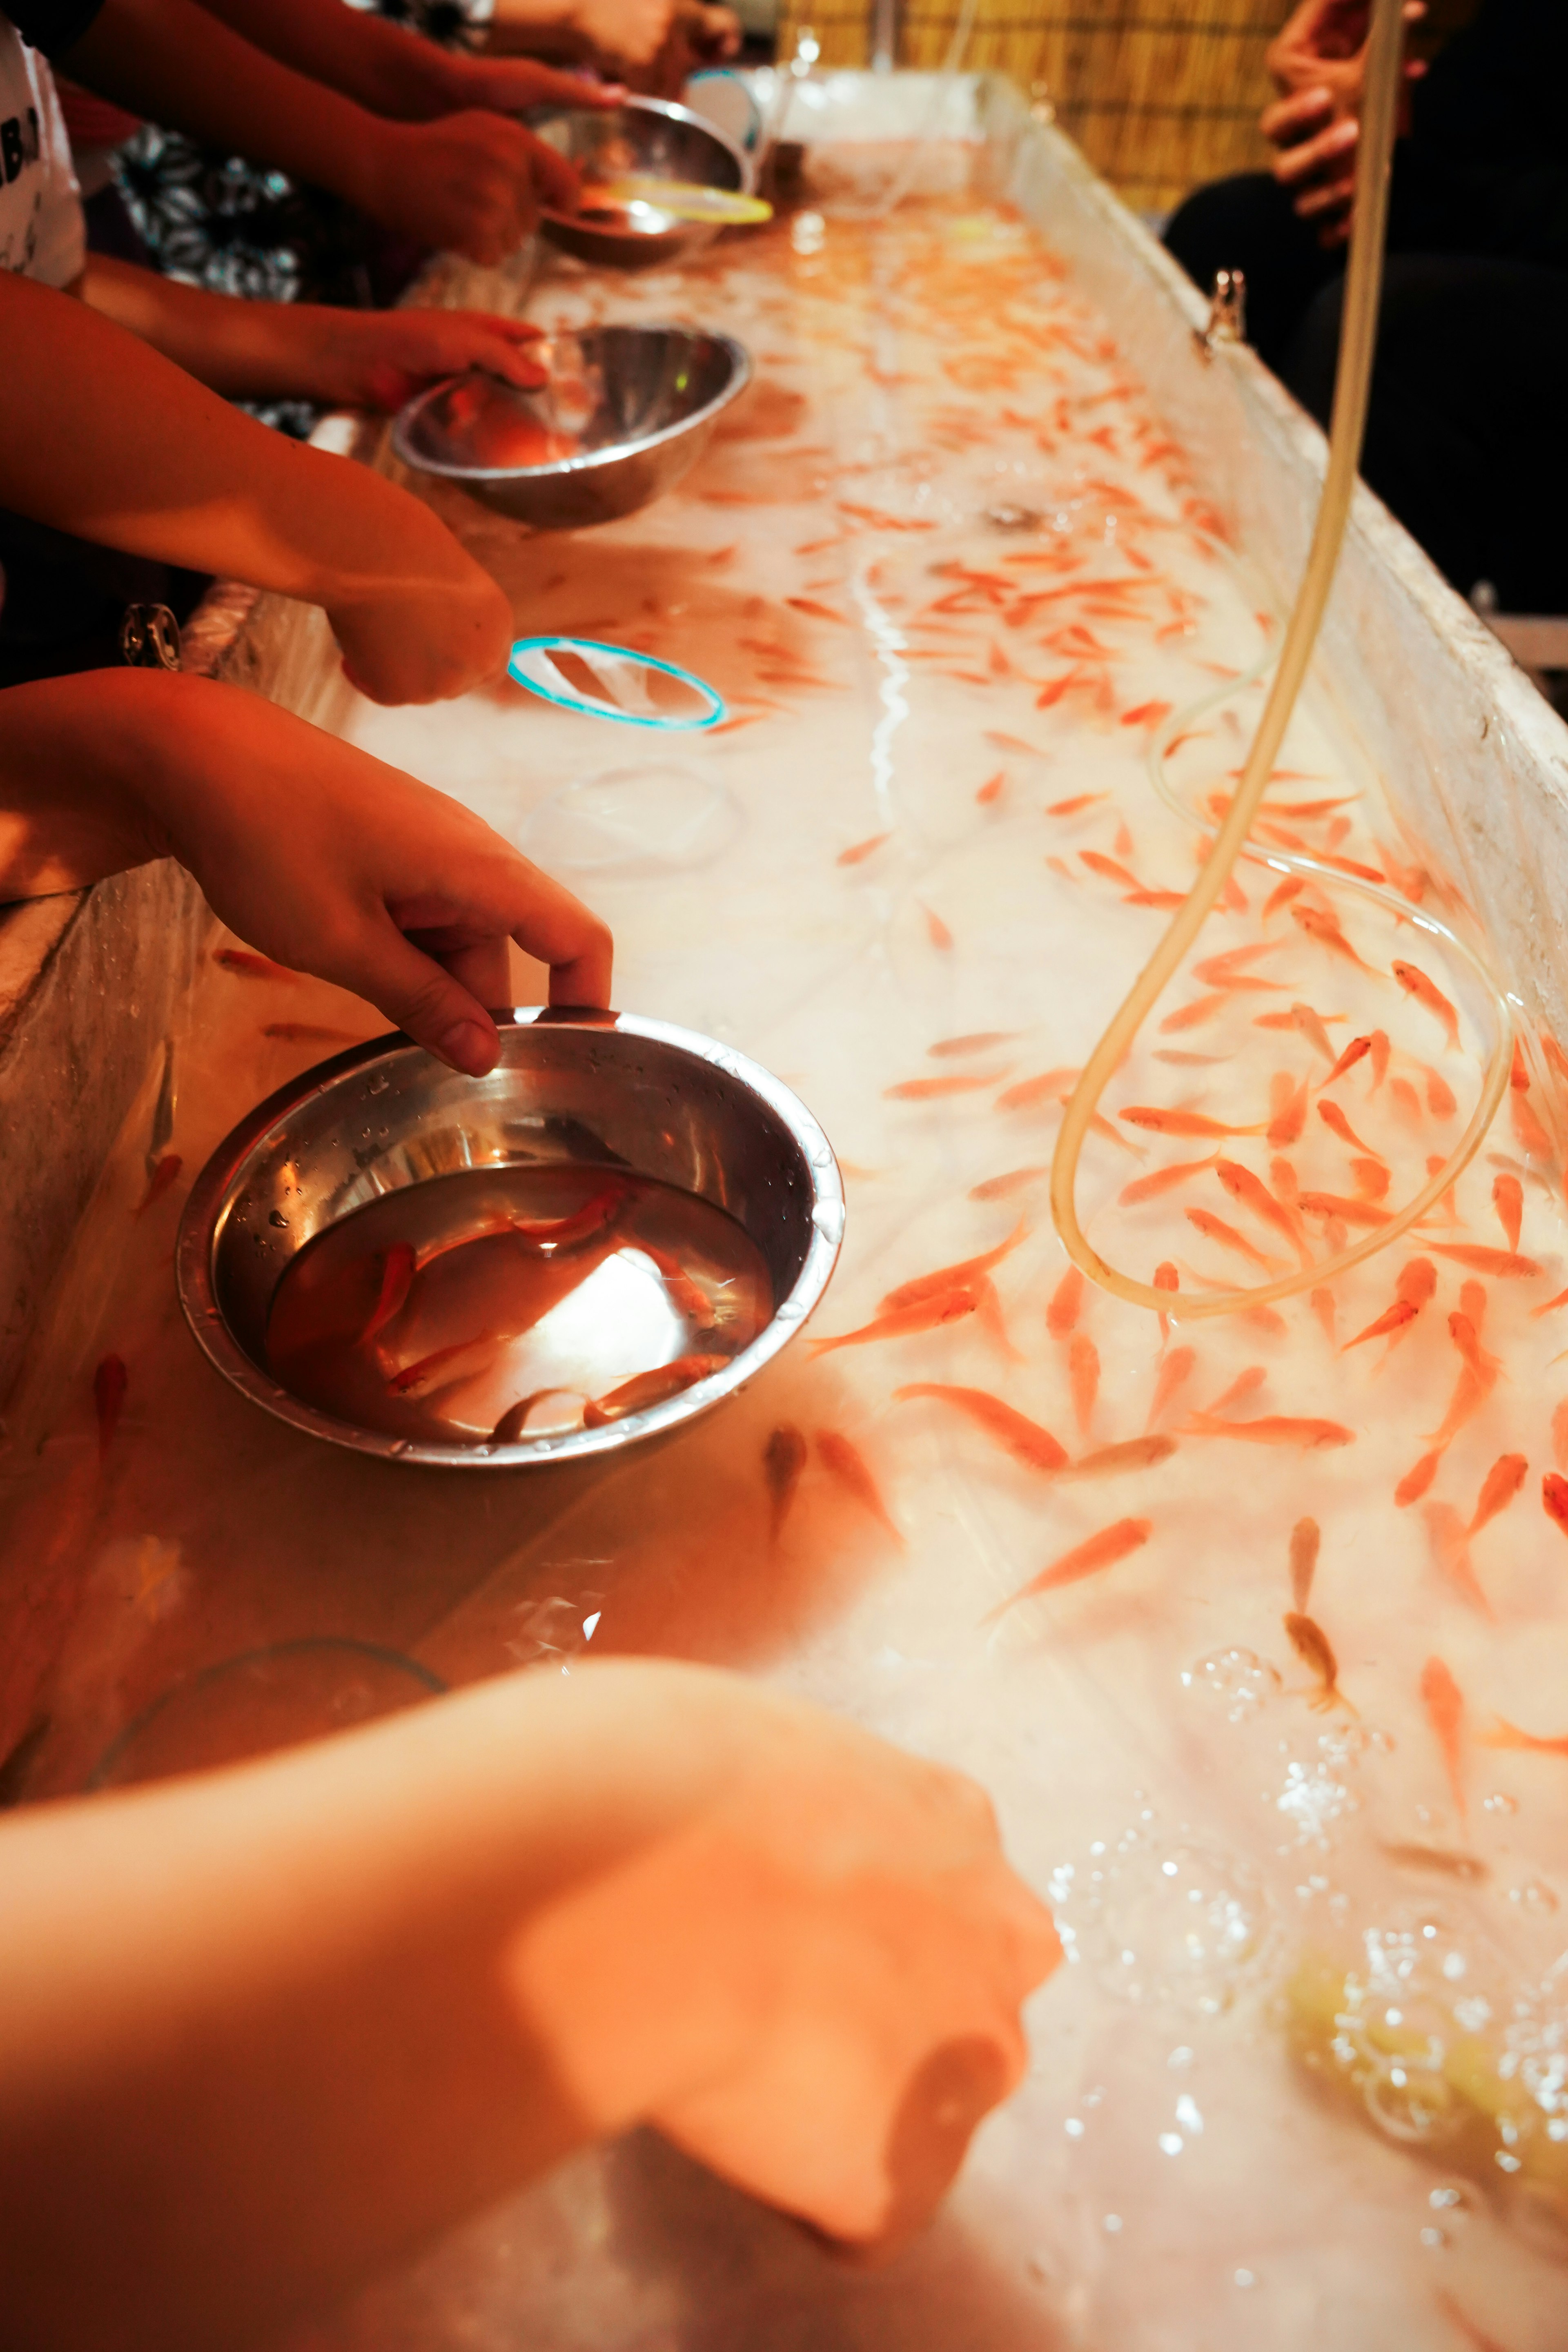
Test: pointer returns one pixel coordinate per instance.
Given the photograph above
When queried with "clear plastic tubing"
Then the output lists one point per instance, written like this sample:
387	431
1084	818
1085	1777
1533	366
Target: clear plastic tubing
1352	385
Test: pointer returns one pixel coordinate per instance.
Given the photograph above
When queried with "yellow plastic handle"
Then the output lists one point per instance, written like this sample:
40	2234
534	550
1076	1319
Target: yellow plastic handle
681	199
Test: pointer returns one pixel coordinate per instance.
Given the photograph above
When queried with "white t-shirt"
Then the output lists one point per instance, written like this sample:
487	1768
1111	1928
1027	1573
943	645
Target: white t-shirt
42	234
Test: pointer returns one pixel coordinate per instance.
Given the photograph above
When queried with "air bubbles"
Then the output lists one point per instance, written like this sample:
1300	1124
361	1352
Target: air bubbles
1499	1802
1434	2238
1237	1681
1183	1933
1534	1898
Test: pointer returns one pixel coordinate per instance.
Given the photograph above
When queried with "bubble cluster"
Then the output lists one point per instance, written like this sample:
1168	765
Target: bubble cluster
1236	1681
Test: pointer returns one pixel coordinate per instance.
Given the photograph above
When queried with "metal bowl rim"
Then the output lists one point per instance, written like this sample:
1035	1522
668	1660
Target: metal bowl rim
673	111
615	453
212	1198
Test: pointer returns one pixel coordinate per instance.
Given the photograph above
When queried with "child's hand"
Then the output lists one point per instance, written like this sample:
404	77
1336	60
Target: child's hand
470	183
379	359
426	637
512	85
332	863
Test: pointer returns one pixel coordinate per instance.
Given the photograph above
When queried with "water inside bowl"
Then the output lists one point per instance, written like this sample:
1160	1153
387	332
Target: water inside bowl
515	1301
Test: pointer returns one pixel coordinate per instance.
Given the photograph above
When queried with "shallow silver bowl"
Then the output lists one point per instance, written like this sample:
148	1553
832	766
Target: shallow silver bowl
570	1085
636	405
646	134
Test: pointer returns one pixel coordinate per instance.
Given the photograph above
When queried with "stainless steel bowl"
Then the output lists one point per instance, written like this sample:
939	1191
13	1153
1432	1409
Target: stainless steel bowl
632	407
595	1087
646	134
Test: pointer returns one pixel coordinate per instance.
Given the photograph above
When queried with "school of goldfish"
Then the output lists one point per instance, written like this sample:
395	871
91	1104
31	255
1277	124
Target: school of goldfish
1269	1612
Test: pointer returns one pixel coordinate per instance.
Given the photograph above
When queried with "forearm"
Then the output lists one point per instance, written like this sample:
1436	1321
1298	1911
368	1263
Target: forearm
258	2034
390	71
243	350
173	62
167	469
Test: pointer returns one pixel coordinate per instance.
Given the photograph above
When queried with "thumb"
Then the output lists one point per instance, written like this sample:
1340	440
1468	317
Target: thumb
425	999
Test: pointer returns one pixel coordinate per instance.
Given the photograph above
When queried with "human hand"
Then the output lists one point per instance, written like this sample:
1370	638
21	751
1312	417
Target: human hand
811	1982
1319	64
512	85
470	183
333	863
379	359
421	632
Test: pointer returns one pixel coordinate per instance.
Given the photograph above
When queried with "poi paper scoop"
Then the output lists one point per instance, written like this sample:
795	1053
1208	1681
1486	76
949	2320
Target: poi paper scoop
612	682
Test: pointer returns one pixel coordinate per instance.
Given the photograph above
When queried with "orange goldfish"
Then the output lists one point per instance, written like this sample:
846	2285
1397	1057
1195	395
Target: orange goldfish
979	1041
1109	870
847	1464
1250	1191
1165	1279
1071	807
1451	1553
1192	1123
905	1322
999	1188
1440	1100
1445	1704
784	1459
1529	1133
1027	1440
1504	1734
1372	1179
1485	1261
1349	1212
396	1280
1502	1482
1305	1539
1334	1120
1414	1483
1103	1550
862	849
1508	1200
1309	1024
1287	1109
1215	1229
1311	1646
1323	1307
512	1424
1281	895
956	1082
110	1382
953	1277
1354	1052
1083	1375
1065	1299
1131	1453
1173	1374
1223	971
992	789
1320	925
1148	1188
1559	1435
565	1233
1275	1429
1193	1015
1052	1085
1381	1050
1245	1383
936	930
1554	1499
418	1375
1414	982
161	1178
1406	1101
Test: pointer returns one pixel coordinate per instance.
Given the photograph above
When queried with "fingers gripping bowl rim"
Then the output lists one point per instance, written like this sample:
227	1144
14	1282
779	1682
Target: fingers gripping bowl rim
571	1085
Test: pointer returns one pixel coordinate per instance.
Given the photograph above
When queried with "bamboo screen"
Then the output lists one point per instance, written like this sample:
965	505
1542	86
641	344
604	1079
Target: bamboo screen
1162	95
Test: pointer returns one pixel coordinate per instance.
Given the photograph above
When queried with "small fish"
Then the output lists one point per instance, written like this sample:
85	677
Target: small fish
992	789
557	1234
1466	1866
1508	1200
1165	1279
309	1033
978	1041
1502	1482
1215	1229
937	932
1190	1123
1224	971
1381	1050
1131	1454
905	1322
1051	1085
1349	1212
859	850
1245	1383
1504	1734
110	1382
1414	1483
1193	1015
1554	1499
420	1375
1083	1376
1528	1134
847	1464
1072	807
1173	1374
1559	1435
1372	1179
249	966
1323	1306
953	1277
1311	1646
161	1178
1451	1554
508	1430
1323	927
1109	870
646	1390
1445	1706
1440	1100
1310	1023
957	1082
1149	1187
784	1459
1250	1191
1281	895
1473	1303
1334	1120
1472	1391
1287	1109
816	612
1147	714
1417	1283
1414	982
1001	1188
1027	1440
1356	1051
396	1279
1065	1299
1103	1550
1500	1262
1305	1539
1406	1101
1275	1429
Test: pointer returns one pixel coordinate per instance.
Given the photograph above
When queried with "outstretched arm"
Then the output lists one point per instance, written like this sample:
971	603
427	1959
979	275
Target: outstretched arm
264	2031
102	436
324	858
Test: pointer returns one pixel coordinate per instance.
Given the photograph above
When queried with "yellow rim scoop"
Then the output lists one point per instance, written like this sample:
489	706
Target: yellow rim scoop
681	199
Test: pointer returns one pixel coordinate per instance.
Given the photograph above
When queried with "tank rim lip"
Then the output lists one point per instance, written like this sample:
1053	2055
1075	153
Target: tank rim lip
212	1195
